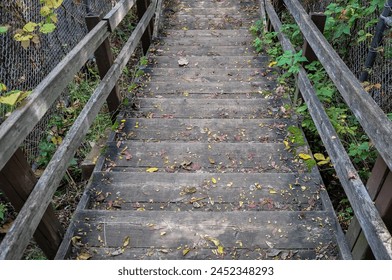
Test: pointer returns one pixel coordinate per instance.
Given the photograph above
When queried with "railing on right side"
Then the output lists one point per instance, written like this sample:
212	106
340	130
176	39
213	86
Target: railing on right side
374	122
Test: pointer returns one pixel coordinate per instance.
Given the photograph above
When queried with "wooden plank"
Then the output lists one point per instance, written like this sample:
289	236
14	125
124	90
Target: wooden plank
368	216
232	192
16	181
197	157
373	120
21	122
201	62
104	58
192	51
203	22
175	33
280	230
118	13
158	19
205	130
17	239
200	86
211	108
209	75
207	41
231	253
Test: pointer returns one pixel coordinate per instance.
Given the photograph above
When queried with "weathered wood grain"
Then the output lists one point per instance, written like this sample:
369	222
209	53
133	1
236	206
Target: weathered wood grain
205	130
368	216
117	14
280	230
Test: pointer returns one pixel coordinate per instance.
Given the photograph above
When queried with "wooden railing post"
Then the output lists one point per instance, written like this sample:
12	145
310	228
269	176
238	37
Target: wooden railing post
319	20
104	58
379	187
17	181
142	6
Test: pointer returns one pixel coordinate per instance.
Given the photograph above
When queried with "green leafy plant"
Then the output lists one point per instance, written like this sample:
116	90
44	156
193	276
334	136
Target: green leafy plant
29	32
3	211
291	62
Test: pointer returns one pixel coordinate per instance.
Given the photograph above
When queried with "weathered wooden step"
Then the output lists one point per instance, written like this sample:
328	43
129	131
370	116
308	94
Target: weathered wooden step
206	192
201	62
255	108
169	230
206	41
198	157
192	21
209	74
212	12
231	253
206	50
215	4
203	86
204	130
192	33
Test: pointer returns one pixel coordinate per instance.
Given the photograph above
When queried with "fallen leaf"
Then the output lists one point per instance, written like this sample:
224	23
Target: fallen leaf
126	241
183	61
305	156
128	155
152	169
319	156
269	244
272	192
212	161
84	256
185	251
272	63
117	252
213	240
213	180
220	250
163	233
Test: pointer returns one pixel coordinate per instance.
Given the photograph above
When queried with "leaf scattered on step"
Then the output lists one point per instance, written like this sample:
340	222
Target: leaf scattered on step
274	253
212	161
183	61
305	156
213	240
272	191
84	256
152	169
163	233
186	251
213	180
126	241
221	250
269	244
117	252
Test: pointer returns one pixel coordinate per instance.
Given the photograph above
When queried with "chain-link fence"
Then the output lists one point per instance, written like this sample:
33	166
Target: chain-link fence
24	69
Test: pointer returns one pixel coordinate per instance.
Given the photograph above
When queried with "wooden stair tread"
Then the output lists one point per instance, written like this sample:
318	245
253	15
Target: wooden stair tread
198	192
196	157
205	130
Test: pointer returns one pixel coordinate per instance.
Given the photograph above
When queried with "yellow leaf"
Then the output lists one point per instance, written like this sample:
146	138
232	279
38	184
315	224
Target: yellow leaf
29	27
11	99
319	156
241	203
323	162
53	4
303	188
212	161
3	87
272	63
185	251
286	145
220	250
305	156
213	180
272	192
84	256
126	241
45	11
213	240
163	233
152	169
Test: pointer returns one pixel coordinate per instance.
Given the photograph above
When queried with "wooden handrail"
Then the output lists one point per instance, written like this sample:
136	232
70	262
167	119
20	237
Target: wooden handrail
18	237
372	225
372	119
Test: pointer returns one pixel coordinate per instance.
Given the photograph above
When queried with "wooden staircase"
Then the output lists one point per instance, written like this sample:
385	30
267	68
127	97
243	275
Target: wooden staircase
198	168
